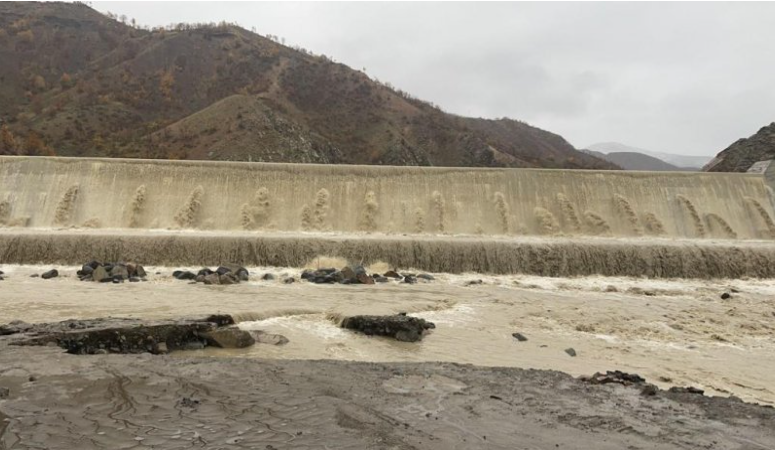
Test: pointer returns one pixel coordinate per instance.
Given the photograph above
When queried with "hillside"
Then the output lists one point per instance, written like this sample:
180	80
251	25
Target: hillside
680	162
743	153
77	83
636	161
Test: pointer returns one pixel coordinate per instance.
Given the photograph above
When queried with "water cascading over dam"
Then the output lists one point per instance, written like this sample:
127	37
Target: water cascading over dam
420	204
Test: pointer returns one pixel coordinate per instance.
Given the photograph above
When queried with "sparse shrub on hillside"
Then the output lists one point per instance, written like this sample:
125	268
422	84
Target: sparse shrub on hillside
8	144
26	36
66	81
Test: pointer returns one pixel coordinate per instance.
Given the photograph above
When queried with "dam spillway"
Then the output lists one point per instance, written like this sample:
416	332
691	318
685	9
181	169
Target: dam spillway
115	193
443	219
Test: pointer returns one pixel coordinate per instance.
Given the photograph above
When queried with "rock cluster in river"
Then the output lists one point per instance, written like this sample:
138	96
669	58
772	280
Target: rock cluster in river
357	274
400	326
227	274
113	335
111	272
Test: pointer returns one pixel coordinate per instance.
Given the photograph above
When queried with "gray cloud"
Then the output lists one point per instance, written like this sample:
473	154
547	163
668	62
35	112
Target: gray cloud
680	77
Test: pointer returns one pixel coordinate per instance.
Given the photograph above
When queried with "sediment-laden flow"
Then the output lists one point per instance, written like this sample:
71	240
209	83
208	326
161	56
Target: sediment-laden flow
546	257
194	194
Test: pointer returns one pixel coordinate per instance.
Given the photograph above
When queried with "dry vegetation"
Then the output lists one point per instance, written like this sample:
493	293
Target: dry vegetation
75	82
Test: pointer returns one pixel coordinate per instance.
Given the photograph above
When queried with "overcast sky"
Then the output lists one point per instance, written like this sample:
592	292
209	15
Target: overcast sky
686	78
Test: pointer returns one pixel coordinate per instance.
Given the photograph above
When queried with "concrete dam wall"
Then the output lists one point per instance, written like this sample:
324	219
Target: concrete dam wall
41	192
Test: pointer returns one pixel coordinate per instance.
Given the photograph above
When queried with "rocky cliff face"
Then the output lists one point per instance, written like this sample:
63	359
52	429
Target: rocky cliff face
741	155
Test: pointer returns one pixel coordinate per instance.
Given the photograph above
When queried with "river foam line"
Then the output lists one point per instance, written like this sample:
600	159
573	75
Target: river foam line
544	257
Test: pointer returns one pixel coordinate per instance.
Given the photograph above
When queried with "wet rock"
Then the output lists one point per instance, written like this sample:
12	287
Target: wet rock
200	278
267	338
242	274
100	274
213	278
474	282
380	279
611	288
649	390
323	277
725	296
289	280
228	278
117	279
392	274
402	328
86	269
92	264
268	277
184	275
134	280
348	274
204	272
231	337
570	351
519	336
426	276
222	270
120	272
220	320
14	327
122	335
4	392
685	390
34	275
363	278
307	275
410	279
616	376
189	402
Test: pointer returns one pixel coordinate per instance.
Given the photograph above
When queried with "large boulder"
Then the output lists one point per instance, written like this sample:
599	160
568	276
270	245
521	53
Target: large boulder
229	278
364	279
117	335
213	278
400	327
348	274
184	275
268	338
231	337
53	273
100	274
119	272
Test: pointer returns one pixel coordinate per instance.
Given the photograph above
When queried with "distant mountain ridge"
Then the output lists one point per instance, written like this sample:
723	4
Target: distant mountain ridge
680	162
638	161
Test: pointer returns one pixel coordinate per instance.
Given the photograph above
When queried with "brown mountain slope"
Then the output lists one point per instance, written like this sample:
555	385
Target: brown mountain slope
88	85
741	155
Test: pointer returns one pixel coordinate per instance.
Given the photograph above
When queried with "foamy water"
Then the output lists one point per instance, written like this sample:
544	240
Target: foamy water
669	329
114	193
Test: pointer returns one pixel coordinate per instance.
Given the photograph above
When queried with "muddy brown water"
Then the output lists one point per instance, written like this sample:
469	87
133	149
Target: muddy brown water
673	332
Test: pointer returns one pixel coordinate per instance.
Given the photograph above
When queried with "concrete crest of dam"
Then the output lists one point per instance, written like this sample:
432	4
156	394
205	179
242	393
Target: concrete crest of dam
470	212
